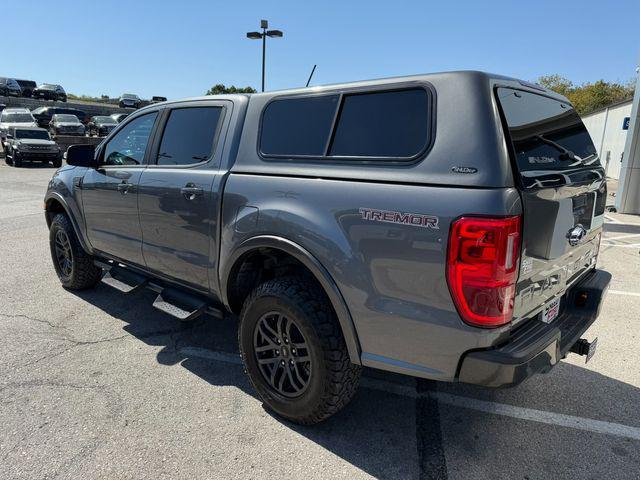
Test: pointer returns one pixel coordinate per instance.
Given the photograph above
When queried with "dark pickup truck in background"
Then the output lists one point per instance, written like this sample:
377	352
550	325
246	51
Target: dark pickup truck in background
27	86
444	226
43	115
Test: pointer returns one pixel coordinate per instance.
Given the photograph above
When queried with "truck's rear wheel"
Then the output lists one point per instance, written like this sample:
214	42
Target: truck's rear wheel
73	265
294	352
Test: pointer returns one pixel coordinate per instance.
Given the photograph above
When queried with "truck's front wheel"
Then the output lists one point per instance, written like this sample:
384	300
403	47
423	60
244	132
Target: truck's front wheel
294	352
73	265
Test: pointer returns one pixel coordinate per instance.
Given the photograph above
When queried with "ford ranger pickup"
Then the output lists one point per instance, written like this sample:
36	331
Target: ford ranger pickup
444	226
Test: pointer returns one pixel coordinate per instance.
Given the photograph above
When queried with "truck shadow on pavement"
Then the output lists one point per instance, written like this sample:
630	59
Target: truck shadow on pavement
390	435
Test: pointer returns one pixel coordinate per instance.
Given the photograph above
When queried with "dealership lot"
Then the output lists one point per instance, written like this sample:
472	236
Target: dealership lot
101	385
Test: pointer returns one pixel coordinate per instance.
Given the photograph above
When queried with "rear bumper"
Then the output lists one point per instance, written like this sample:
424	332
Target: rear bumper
536	346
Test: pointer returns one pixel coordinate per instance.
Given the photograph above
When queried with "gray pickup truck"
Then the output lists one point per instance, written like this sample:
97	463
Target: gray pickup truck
443	226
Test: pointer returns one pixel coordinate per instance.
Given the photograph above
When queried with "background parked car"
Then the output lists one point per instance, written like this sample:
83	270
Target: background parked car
65	124
118	117
101	125
14	117
49	91
44	115
27	86
31	144
158	99
129	100
9	87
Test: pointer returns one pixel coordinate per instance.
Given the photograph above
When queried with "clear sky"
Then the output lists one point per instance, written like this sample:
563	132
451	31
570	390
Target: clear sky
180	48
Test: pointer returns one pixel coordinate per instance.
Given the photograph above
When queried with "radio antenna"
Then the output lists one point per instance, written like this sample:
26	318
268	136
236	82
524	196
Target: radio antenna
311	75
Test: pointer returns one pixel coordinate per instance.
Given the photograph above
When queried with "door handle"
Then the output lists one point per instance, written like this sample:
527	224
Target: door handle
190	191
123	187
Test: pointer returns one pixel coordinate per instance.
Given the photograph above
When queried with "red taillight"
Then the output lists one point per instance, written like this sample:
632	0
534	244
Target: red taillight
482	268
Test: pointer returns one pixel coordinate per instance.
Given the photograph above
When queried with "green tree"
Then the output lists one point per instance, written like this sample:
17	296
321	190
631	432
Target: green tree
220	89
588	96
556	83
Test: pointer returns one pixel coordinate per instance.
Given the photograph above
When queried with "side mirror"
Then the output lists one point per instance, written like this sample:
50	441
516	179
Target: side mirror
82	156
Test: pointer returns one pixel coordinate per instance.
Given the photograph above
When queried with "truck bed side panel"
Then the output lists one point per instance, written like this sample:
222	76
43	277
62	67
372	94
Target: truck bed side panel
385	247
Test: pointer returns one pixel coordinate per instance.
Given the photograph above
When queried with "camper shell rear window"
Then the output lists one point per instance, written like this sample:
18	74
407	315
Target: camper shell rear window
545	133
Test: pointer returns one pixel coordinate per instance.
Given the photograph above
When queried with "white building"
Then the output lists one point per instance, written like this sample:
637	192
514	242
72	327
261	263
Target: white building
608	129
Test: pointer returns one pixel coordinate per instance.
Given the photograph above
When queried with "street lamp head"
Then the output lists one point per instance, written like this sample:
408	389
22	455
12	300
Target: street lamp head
264	24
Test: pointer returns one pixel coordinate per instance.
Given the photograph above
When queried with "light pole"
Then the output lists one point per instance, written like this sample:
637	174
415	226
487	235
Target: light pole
264	24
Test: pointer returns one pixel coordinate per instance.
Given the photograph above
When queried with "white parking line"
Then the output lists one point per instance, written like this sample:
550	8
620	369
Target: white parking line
539	416
610	239
611	219
633	245
621	292
211	355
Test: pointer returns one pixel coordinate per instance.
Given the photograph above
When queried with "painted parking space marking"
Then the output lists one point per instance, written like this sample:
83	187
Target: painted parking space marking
626	245
207	354
522	413
622	292
541	416
622	237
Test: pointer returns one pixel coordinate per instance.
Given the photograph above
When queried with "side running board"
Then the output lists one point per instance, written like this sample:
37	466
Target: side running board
124	280
179	304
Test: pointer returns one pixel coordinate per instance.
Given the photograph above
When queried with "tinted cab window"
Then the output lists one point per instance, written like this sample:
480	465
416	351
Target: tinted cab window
129	145
189	135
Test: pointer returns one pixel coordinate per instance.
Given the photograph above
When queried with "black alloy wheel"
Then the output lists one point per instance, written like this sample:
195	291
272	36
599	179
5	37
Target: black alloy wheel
74	266
282	354
63	254
293	350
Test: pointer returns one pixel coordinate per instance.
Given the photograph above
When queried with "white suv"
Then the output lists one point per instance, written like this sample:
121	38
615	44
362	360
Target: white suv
14	117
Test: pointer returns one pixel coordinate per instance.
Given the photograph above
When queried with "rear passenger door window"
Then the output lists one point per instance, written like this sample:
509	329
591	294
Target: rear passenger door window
389	125
189	136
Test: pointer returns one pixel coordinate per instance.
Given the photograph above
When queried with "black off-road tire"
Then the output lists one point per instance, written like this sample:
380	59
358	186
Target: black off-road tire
333	380
57	163
84	274
16	160
6	157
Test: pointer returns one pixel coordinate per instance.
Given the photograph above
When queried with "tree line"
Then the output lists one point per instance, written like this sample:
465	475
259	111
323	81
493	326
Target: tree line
588	97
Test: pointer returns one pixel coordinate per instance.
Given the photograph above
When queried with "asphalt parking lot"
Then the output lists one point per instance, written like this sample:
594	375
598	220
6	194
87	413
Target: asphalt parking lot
101	385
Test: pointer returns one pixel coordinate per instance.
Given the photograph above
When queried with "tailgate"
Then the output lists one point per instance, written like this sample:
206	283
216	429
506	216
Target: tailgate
563	192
